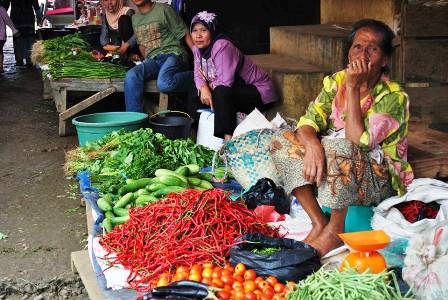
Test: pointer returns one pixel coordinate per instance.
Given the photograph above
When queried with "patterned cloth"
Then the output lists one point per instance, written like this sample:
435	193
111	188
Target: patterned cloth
386	116
352	177
160	31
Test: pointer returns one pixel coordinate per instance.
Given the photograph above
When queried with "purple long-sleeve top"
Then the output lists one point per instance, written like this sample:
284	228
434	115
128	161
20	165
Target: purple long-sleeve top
220	69
5	21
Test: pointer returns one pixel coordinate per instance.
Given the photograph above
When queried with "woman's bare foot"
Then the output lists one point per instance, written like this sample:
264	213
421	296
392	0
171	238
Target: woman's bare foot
315	231
326	241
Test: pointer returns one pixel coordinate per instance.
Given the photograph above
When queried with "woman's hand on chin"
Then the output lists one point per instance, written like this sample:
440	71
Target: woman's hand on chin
357	73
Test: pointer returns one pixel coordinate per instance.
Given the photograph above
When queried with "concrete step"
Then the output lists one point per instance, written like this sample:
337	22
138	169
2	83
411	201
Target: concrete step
320	45
296	81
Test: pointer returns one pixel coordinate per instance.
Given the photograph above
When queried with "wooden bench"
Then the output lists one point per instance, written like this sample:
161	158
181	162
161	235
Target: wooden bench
102	87
428	151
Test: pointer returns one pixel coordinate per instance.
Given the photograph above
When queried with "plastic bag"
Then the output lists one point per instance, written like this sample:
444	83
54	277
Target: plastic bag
293	261
425	263
266	192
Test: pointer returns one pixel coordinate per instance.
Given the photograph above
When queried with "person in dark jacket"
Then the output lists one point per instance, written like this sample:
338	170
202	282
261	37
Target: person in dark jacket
23	14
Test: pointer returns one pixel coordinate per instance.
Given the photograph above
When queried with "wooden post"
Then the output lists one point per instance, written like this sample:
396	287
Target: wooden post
163	102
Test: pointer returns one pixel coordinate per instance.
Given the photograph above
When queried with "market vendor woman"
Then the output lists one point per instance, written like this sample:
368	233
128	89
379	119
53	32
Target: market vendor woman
350	147
116	28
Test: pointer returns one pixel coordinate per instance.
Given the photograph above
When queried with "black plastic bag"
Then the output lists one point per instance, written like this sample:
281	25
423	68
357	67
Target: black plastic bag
265	192
294	261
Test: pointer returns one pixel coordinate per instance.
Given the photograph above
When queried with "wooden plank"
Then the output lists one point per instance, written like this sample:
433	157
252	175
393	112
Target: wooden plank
423	60
424	19
428	151
82	265
429	104
86	103
89	218
163	102
335	11
94	85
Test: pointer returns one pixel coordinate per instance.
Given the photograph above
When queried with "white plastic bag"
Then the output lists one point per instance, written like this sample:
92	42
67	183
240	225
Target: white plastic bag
426	262
206	128
390	219
254	120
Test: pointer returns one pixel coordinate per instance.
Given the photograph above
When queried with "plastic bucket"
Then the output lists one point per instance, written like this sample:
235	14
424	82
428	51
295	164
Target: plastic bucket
358	217
94	126
172	124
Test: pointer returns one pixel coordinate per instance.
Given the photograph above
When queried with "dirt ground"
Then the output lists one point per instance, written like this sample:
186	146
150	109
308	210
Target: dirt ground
40	209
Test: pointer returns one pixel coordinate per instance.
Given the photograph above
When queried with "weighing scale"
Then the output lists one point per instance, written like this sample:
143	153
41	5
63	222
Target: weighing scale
363	250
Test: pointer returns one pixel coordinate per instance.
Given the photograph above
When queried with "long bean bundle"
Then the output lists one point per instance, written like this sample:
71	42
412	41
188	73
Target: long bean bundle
184	229
86	69
350	285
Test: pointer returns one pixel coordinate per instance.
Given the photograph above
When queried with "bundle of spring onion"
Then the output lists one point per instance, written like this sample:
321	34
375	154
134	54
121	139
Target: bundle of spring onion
350	285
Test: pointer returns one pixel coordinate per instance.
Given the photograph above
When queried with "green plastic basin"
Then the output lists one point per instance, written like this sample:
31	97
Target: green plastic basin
94	126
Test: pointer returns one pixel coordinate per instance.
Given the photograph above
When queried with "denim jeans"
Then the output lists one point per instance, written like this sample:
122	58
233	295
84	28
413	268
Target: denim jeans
169	69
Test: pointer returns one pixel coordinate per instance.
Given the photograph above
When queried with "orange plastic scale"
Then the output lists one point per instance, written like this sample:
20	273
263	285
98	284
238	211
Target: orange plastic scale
363	250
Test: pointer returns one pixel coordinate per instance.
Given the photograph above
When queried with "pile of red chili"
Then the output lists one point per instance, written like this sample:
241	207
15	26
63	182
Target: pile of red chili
184	229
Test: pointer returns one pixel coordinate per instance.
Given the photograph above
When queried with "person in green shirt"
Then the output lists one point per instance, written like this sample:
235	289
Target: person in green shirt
159	31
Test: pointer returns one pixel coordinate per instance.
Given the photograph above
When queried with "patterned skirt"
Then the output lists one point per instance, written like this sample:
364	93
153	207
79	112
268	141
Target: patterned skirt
352	177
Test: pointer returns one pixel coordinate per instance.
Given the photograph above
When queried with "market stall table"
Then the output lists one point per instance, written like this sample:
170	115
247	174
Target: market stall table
102	87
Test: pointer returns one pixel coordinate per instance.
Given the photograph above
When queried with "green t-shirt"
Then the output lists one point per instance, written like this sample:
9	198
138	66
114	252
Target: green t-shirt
160	30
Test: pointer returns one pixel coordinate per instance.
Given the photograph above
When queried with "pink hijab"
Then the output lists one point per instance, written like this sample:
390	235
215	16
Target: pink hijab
118	11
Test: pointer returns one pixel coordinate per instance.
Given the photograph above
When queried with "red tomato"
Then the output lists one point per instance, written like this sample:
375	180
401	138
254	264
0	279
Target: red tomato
227	279
268	291
265	297
229	268
258	280
163	282
262	284
217	282
279	287
227	287
250	275
195	277
238	277
225	272
258	293
223	295
237	285
238	295
208	265
217	271
207	281
196	269
250	296
240	269
182	269
271	280
207	273
249	286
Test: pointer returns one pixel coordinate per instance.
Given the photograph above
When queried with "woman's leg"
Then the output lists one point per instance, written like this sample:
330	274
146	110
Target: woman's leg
227	101
306	197
328	238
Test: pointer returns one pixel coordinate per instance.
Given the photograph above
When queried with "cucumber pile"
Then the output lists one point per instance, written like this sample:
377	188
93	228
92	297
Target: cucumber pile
143	191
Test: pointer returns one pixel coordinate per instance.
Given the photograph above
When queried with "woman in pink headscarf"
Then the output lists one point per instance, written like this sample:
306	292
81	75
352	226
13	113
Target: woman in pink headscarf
117	27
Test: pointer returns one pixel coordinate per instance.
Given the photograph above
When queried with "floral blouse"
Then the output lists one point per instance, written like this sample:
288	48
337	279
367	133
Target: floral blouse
386	116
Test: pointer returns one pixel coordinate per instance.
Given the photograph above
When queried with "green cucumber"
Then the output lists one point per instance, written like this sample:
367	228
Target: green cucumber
172	180
109	198
143	192
207	176
107	224
169	189
196	187
129	180
103	204
162	172
135	185
184	171
145	199
119	220
155	186
124	200
206	185
121	212
109	214
193	169
194	181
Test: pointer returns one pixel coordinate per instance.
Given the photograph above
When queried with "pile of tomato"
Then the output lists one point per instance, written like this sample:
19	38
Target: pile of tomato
236	283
